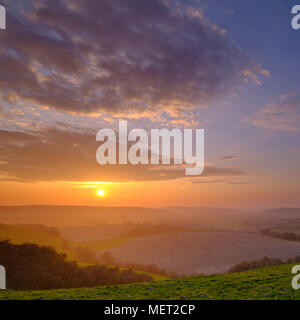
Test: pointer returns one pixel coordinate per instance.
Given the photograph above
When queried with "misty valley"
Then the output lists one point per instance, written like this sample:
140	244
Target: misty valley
143	244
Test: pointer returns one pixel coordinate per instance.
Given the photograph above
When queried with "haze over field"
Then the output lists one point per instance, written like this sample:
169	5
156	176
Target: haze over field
176	240
97	215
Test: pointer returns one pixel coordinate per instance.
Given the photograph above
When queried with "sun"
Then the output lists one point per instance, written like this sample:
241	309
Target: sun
101	192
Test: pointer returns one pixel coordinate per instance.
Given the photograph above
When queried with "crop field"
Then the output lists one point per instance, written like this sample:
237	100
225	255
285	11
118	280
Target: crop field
104	244
193	253
93	234
268	283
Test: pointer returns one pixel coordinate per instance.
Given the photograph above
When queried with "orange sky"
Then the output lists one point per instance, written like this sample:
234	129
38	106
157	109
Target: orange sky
150	194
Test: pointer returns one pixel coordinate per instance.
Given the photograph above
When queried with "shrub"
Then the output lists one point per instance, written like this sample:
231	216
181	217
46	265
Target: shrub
264	262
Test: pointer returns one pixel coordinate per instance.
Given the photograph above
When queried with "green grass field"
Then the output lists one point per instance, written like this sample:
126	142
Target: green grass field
264	283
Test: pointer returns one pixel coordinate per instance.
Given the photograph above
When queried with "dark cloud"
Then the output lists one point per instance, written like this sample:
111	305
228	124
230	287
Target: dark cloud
122	55
54	155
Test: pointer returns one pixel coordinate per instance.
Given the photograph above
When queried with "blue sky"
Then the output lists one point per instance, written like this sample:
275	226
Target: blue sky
263	30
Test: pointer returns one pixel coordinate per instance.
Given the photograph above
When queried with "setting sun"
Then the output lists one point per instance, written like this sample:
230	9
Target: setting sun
101	193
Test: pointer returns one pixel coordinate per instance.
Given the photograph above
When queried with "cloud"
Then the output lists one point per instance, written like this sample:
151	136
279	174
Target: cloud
119	56
67	64
64	155
227	157
281	115
239	183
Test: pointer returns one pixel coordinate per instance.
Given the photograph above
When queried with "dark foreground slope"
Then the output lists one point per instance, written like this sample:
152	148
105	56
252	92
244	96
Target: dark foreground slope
264	283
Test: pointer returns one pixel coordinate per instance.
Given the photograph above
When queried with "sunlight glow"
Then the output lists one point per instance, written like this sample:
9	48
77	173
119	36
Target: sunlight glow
101	192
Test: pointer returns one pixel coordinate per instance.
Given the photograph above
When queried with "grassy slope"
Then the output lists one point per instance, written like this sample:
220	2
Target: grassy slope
25	234
20	234
264	283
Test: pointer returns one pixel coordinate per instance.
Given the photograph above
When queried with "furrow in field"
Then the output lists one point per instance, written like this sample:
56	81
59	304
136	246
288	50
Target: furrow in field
202	252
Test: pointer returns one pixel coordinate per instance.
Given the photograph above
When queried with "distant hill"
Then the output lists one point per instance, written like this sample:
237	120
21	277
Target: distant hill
190	217
77	215
89	215
286	213
280	220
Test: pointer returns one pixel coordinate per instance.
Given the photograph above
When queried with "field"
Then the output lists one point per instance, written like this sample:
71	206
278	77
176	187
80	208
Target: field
203	252
267	283
104	244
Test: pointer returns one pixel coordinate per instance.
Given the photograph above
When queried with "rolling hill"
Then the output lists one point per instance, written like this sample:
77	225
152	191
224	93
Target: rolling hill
45	236
192	253
191	217
76	215
39	234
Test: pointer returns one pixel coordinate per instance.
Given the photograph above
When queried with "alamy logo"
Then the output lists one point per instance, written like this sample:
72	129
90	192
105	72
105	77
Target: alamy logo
296	278
2	18
2	278
161	147
296	18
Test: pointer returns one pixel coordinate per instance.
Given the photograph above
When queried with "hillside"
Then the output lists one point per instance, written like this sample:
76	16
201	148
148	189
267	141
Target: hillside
280	220
42	235
61	216
204	252
264	283
76	215
70	219
45	236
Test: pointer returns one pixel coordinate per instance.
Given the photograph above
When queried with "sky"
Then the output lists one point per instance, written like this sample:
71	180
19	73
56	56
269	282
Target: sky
70	68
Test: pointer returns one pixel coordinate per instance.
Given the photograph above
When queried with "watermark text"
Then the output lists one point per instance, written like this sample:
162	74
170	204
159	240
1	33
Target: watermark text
2	18
296	18
166	146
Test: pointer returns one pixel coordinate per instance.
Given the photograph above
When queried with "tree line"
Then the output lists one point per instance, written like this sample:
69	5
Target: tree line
284	235
264	262
29	266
